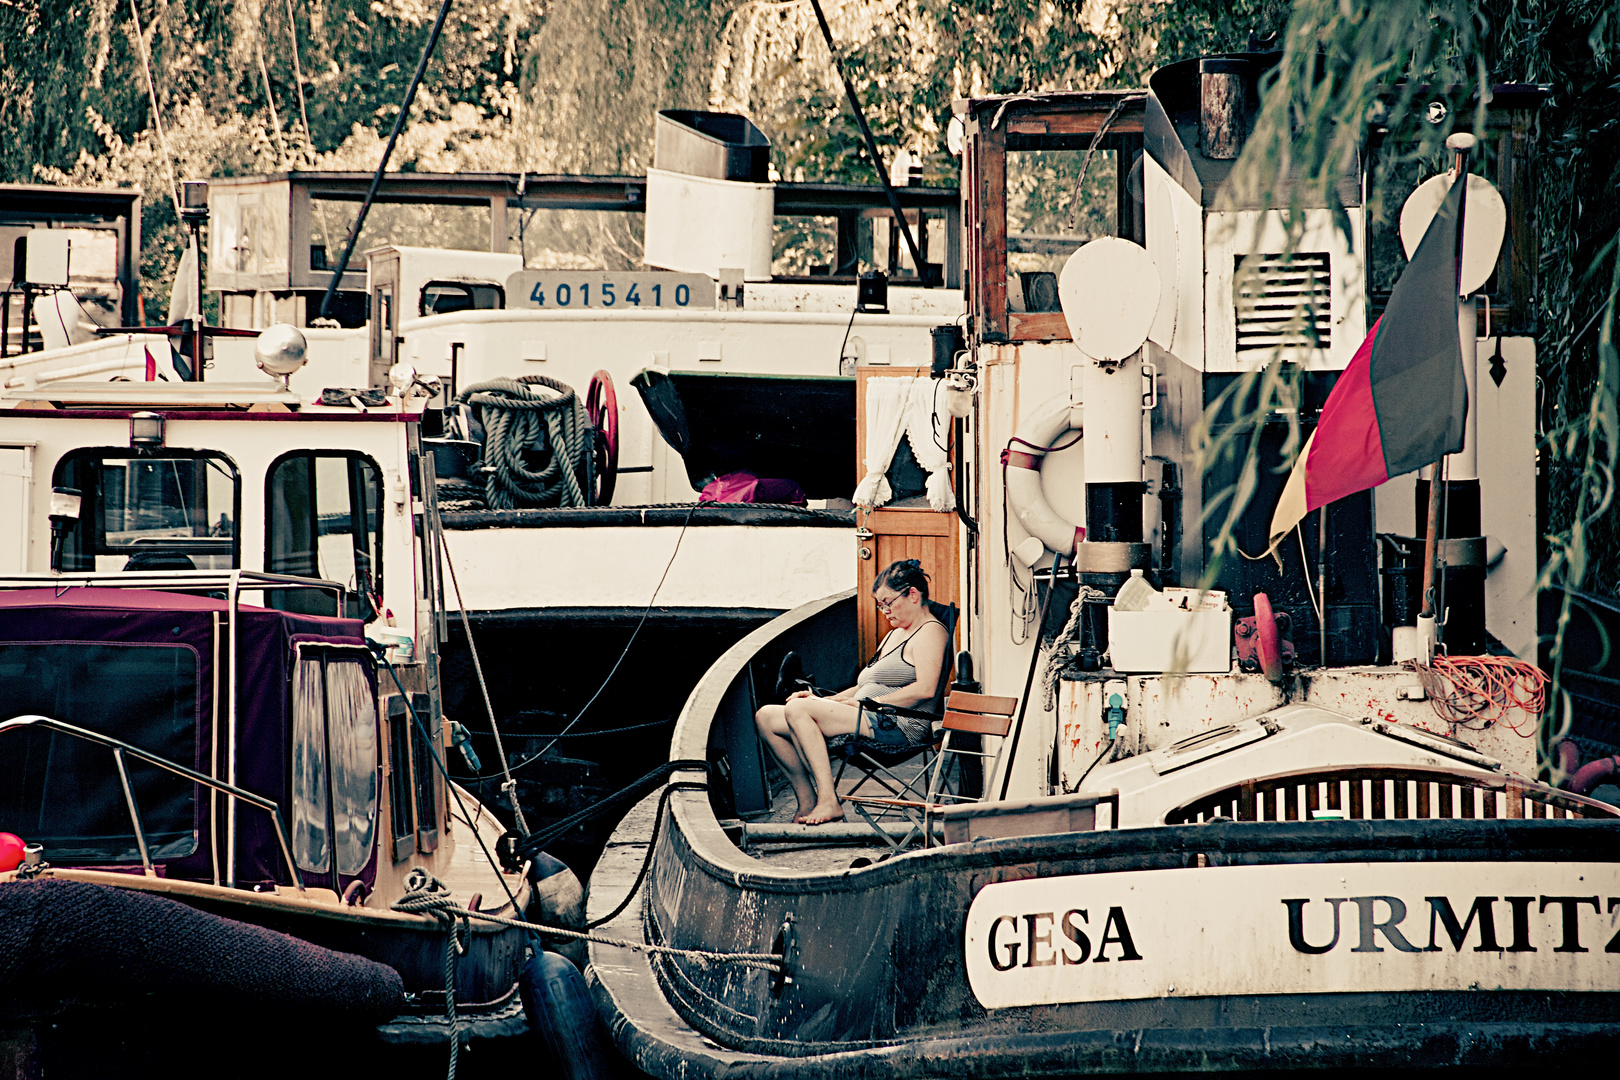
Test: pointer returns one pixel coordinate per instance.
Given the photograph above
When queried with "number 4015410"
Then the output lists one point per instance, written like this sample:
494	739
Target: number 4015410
608	294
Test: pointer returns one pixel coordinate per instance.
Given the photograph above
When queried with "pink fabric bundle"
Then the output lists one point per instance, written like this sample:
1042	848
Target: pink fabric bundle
744	487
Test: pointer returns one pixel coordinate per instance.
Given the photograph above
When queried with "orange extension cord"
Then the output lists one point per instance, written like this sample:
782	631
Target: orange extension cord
1480	690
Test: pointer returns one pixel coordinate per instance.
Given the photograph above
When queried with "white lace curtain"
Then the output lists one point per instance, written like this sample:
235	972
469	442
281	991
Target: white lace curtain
902	406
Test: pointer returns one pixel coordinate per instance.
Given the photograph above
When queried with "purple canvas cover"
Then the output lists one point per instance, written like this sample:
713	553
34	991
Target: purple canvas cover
745	487
136	616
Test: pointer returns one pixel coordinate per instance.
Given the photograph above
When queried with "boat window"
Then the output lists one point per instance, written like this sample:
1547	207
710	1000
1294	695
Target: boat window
63	792
423	753
400	802
804	246
154	510
1044	224
334	762
310	843
441	297
325	522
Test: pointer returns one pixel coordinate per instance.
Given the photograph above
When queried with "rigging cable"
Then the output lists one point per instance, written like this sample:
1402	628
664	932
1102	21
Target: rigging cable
388	151
508	785
298	78
871	147
157	113
270	97
625	651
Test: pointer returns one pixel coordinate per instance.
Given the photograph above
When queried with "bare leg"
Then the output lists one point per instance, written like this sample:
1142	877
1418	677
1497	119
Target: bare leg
811	721
772	723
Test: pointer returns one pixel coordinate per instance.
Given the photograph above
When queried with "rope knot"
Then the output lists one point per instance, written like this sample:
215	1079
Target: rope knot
427	895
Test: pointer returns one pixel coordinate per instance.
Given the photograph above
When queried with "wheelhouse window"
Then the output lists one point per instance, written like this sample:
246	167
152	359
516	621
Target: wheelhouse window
334	761
154	510
325	522
441	297
1043	182
65	793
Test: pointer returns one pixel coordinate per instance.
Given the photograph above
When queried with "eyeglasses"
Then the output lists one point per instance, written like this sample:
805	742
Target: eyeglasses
885	605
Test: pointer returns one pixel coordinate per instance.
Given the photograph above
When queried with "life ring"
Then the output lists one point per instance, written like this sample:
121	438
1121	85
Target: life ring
602	407
1022	459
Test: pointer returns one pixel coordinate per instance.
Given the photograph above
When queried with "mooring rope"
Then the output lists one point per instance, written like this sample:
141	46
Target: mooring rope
428	896
432	899
517	420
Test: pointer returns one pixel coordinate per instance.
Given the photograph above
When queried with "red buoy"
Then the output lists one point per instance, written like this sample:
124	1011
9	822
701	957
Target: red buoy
11	851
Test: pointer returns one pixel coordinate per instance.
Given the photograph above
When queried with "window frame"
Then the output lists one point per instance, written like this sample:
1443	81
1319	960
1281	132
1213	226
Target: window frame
92	525
269	519
469	286
1057	123
418	781
326	653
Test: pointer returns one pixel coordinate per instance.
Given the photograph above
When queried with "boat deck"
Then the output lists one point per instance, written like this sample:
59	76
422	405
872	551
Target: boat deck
774	839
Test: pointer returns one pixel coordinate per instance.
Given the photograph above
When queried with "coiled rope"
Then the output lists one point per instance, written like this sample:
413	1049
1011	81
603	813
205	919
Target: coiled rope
521	426
1477	691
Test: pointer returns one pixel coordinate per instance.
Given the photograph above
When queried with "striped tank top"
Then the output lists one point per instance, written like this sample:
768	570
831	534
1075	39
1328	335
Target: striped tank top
889	671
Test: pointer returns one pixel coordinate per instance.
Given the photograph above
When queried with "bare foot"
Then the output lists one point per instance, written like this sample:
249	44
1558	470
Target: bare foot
821	814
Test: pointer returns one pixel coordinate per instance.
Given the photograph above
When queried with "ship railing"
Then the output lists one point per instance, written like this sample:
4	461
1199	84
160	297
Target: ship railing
232	583
122	750
1378	793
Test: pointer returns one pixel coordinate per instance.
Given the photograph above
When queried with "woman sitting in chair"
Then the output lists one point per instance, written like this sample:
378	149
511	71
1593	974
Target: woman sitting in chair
905	672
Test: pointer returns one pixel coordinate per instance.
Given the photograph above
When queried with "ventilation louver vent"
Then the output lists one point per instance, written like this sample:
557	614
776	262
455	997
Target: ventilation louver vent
1283	301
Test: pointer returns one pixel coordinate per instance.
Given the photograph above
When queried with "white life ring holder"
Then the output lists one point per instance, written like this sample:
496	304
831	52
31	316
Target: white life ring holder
1022	459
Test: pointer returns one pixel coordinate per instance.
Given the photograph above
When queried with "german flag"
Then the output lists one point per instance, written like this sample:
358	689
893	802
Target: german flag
1401	403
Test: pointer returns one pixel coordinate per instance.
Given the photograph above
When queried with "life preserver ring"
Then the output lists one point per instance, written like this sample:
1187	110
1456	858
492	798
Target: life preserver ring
1026	502
602	407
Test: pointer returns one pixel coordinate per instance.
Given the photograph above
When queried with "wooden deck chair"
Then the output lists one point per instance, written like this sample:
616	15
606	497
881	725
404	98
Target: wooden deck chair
965	714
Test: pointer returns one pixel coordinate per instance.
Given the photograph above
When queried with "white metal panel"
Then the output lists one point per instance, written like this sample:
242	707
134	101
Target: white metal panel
1507	482
16	511
701	225
1229	236
1175	243
720	566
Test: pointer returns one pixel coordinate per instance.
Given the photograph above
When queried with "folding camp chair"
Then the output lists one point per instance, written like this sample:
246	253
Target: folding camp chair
876	761
966	714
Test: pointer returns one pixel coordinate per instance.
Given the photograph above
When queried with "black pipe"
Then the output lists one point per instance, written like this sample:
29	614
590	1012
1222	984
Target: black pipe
1114	512
388	151
871	148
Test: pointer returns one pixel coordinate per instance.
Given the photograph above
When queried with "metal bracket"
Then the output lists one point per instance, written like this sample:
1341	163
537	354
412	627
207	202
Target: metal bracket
786	946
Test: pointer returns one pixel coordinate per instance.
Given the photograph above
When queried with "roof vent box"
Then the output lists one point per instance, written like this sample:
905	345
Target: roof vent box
715	145
709	205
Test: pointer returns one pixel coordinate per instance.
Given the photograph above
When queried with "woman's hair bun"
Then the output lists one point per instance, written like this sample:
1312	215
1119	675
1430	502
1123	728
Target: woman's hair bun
904	574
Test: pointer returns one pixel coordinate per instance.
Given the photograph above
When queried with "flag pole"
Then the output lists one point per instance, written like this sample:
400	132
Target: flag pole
1461	142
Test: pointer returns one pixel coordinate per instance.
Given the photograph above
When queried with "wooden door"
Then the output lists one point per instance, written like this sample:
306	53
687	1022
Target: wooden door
887	535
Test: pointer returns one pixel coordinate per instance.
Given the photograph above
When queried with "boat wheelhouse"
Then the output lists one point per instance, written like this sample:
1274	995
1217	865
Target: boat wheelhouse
220	642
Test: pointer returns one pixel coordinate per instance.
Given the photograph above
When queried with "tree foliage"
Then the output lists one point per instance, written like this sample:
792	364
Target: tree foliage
571	85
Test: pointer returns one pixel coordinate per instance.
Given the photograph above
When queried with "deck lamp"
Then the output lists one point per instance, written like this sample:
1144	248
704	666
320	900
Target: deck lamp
145	430
65	503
